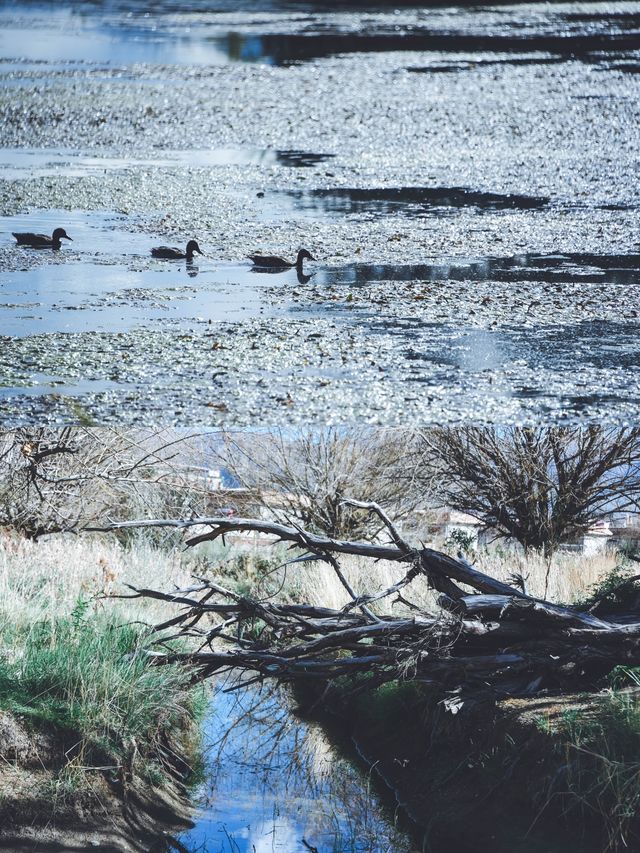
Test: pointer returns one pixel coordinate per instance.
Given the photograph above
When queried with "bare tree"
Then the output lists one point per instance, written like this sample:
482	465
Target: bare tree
540	486
55	480
305	475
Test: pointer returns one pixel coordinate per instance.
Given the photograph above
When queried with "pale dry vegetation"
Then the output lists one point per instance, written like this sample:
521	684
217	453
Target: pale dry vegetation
45	579
563	578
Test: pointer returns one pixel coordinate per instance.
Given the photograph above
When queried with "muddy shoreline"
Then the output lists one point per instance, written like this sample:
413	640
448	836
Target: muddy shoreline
108	813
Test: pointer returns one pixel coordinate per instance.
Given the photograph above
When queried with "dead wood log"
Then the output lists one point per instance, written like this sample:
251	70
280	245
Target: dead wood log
486	639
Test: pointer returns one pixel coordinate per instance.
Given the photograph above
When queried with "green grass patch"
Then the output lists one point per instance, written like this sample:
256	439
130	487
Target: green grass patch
601	753
88	678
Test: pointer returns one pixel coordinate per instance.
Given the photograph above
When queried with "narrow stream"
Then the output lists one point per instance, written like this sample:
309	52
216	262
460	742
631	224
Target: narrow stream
274	782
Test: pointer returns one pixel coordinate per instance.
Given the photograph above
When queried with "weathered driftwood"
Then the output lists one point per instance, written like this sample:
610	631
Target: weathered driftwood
486	639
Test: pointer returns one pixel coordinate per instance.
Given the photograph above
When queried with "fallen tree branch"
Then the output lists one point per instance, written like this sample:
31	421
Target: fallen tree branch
491	641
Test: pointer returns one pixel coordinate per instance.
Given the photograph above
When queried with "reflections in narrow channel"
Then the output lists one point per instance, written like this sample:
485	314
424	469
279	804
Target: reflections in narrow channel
275	782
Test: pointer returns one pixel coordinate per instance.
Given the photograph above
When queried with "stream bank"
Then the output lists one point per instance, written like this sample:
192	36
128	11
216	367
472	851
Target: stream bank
100	748
535	775
44	806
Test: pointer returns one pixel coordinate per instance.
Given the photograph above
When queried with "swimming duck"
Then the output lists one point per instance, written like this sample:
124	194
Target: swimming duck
41	241
271	262
170	253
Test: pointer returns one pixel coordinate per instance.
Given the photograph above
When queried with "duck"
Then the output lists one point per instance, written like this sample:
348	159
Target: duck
170	253
41	241
272	262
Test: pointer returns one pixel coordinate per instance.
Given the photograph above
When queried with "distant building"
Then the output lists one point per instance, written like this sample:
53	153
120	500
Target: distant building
437	524
596	539
213	479
625	530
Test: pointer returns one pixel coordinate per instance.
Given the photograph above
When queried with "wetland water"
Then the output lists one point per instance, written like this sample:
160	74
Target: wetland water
464	176
275	783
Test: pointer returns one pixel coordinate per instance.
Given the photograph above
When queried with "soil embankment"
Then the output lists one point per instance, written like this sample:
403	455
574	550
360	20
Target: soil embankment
51	801
512	778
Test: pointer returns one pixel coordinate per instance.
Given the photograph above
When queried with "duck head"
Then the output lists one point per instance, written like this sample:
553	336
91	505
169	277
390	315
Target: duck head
60	234
302	256
192	247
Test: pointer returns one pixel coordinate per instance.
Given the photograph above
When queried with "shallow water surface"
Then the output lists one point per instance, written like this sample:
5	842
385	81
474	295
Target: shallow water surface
106	280
84	297
20	163
275	783
121	34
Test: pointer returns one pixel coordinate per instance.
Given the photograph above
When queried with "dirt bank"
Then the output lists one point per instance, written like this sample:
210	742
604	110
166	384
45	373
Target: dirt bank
50	801
510	779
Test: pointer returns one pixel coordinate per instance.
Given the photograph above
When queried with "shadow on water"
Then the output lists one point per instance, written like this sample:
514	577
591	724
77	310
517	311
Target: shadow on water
275	782
565	268
410	202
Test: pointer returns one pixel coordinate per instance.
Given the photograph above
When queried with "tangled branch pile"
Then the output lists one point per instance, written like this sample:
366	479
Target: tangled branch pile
487	639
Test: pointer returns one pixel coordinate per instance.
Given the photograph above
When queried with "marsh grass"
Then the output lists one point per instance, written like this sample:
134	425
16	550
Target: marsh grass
73	665
600	751
90	676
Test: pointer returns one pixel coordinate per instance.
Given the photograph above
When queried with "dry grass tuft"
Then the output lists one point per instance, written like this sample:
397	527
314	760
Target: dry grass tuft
45	579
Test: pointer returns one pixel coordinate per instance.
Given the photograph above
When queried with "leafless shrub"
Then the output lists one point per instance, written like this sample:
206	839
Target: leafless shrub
305	475
540	486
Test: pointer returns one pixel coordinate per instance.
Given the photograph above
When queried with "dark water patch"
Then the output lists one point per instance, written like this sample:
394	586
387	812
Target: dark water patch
432	351
301	159
605	345
21	163
531	267
477	64
410	202
287	48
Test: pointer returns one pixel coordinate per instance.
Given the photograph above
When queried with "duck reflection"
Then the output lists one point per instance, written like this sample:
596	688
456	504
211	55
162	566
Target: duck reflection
303	277
192	269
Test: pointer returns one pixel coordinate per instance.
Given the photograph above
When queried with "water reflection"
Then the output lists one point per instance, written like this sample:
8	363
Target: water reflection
275	783
303	278
529	267
19	163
